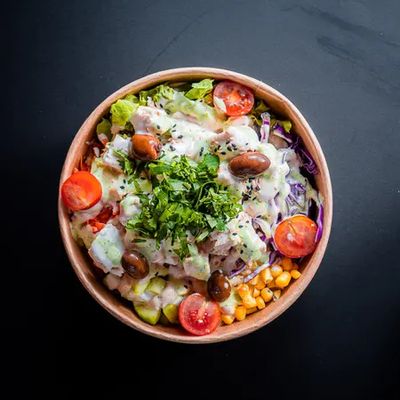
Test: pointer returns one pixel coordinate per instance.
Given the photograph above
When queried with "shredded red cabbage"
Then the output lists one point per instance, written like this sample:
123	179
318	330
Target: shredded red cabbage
265	124
320	222
240	266
297	145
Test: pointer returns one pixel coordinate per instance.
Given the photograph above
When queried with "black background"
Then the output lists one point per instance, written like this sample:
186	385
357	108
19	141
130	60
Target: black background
339	62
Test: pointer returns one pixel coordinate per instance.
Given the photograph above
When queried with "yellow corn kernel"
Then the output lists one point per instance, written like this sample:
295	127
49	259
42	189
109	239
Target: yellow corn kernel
240	313
260	303
249	302
271	285
227	319
266	276
277	294
266	294
287	264
251	310
254	281
295	274
276	270
243	290
283	280
260	285
256	292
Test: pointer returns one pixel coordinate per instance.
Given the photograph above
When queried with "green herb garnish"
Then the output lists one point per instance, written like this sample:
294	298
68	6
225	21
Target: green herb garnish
185	197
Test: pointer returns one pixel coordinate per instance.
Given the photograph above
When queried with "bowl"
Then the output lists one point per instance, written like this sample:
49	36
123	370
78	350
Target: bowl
83	267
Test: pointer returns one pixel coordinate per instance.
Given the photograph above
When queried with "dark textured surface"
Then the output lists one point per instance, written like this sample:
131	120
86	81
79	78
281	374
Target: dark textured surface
339	62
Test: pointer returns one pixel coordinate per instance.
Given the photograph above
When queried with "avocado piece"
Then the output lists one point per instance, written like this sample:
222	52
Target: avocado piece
139	287
156	285
148	314
171	312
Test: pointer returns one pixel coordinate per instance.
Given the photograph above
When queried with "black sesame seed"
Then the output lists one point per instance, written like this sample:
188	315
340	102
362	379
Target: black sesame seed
180	136
247	144
247	222
245	245
234	233
158	126
122	187
201	151
241	251
240	226
223	152
172	148
142	178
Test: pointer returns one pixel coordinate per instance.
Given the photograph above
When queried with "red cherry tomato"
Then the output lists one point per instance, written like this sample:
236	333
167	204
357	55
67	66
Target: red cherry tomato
81	191
198	315
295	236
238	99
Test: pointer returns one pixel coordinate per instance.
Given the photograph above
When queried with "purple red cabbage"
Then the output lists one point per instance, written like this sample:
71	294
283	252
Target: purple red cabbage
295	200
239	267
265	125
297	145
320	222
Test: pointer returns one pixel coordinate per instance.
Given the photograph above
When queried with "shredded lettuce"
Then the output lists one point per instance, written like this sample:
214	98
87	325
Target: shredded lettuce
256	114
200	89
122	110
103	131
156	94
194	108
287	125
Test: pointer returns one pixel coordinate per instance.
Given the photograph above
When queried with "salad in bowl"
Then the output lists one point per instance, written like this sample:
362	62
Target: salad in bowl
196	203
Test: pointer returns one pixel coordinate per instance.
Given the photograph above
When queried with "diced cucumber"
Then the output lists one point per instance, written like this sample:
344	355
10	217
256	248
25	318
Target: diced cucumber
139	287
148	314
156	285
171	312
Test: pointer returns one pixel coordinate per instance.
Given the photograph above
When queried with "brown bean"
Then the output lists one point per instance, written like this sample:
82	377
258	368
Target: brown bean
145	147
135	264
218	286
249	164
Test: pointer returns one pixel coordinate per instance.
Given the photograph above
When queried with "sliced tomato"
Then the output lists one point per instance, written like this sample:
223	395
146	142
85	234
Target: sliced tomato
81	191
295	236
238	99
98	223
198	315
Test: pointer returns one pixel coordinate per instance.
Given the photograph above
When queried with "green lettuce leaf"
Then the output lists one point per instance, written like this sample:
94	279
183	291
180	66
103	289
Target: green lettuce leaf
200	89
122	111
287	125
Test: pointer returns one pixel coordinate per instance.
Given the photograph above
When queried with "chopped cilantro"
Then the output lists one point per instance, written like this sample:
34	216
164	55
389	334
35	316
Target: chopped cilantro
186	197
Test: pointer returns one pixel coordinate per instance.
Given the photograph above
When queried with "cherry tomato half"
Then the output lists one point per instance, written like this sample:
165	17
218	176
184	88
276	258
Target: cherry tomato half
238	99
198	315
81	191
295	236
